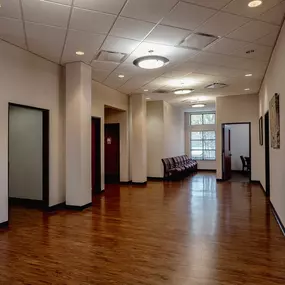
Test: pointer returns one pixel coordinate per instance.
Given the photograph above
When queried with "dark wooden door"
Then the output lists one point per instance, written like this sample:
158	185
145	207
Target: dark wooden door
96	154
112	153
227	156
267	154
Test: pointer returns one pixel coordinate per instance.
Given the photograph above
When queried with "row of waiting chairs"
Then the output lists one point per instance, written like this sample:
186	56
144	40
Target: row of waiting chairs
178	167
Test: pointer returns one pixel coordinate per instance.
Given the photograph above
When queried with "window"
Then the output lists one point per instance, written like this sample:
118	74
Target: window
203	145
202	119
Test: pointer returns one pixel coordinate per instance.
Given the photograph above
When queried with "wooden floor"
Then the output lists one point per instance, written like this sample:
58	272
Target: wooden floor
190	232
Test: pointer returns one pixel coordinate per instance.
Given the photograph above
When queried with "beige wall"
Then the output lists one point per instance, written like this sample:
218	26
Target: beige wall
238	109
30	80
274	83
104	96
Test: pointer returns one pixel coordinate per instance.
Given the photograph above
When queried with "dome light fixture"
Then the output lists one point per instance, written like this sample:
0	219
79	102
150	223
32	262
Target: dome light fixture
151	61
255	3
183	91
198	105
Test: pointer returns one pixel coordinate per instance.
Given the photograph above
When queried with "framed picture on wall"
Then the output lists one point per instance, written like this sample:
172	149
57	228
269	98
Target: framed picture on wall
274	113
261	130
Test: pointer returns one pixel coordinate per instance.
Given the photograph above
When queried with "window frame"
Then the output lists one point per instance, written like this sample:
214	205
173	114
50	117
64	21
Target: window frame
203	149
201	114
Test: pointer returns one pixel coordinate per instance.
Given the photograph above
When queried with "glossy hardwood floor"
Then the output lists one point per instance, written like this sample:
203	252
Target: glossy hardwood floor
190	232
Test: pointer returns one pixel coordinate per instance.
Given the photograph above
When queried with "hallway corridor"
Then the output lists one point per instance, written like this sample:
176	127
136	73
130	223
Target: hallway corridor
196	232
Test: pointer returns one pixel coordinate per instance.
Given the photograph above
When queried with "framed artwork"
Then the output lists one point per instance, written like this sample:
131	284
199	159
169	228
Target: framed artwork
274	113
261	131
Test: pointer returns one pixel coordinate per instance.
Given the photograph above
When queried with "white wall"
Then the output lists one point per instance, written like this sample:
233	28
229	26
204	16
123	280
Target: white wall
238	109
239	144
30	80
113	116
274	83
104	96
25	153
155	138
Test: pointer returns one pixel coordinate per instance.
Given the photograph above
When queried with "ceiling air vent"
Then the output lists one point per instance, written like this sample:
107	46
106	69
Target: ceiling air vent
161	91
105	55
198	41
216	86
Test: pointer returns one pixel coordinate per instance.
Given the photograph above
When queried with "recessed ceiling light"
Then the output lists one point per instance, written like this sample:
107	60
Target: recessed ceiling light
248	75
246	89
183	91
198	105
80	52
151	61
121	75
147	98
254	4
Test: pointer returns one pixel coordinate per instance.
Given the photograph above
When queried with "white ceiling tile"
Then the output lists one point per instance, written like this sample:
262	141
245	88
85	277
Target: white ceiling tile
240	7
175	74
268	40
50	45
99	75
91	21
216	4
148	10
188	16
225	46
167	35
121	45
10	9
81	41
12	31
275	15
114	81
108	6
260	52
222	24
46	12
253	31
64	2
131	29
103	65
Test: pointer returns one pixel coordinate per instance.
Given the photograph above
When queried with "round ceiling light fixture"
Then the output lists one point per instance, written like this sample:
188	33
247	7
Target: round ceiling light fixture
79	52
198	105
183	91
151	61
255	3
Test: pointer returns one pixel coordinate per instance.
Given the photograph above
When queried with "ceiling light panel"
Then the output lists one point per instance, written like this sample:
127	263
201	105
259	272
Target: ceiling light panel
275	15
10	9
198	41
188	16
222	24
108	6
131	29
253	31
240	7
11	30
50	46
167	35
215	4
87	42
48	13
148	10
91	21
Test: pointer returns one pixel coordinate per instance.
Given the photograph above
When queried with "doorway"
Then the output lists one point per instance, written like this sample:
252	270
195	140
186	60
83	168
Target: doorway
112	153
28	156
96	154
267	154
236	152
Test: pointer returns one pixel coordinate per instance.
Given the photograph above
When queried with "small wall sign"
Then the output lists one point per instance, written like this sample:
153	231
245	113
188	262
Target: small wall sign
109	140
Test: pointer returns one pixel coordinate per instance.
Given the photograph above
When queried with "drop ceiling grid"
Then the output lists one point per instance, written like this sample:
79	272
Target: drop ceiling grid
71	5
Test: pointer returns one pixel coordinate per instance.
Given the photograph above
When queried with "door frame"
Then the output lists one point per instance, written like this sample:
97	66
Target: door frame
97	187
44	203
222	145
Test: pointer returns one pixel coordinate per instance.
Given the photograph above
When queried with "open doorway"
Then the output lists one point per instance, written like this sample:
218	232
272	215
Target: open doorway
267	154
96	154
236	152
28	157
